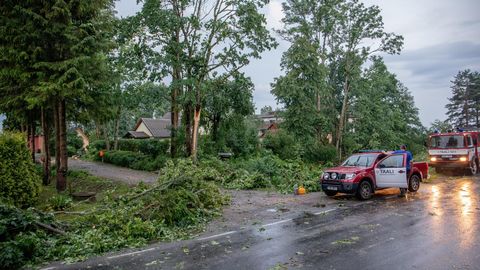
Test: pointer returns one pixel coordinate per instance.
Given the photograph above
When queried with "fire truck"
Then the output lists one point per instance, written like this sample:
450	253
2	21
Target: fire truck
454	151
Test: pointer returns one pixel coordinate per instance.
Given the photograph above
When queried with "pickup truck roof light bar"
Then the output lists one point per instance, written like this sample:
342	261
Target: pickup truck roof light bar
371	151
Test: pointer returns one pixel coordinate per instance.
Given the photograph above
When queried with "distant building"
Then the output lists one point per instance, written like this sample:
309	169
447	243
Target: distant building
271	117
150	128
268	123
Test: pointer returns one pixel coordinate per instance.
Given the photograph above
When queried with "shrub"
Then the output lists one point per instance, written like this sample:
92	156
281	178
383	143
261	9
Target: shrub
282	144
316	152
133	160
20	240
237	135
19	181
74	143
150	147
60	202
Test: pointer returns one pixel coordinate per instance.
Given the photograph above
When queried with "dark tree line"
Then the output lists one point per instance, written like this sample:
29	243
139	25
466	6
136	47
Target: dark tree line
52	62
464	107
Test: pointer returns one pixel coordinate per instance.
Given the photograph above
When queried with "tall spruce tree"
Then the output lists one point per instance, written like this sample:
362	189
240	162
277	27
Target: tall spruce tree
52	55
464	106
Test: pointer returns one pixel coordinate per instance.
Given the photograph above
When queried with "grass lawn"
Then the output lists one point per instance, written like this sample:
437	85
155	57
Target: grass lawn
78	181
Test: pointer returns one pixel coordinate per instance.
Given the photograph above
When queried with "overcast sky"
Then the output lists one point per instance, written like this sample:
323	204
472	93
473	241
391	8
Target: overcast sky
441	38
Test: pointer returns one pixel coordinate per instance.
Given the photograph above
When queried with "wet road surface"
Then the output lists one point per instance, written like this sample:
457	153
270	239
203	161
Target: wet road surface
437	228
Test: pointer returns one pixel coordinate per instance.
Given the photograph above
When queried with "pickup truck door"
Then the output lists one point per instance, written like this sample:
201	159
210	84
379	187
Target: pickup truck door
392	172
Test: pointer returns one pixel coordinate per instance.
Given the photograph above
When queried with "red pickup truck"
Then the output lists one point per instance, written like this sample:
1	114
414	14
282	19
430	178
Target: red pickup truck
363	173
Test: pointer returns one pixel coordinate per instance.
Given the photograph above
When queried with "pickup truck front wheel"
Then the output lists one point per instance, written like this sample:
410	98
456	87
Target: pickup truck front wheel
365	190
414	183
330	193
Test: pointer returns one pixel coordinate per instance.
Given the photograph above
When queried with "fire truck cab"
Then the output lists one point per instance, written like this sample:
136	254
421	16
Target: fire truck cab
454	151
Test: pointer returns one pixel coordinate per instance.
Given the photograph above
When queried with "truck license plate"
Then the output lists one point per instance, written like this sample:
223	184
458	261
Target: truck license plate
332	188
446	156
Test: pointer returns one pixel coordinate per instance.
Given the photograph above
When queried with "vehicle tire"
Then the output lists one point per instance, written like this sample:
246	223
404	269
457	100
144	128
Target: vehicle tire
472	170
365	190
414	183
330	193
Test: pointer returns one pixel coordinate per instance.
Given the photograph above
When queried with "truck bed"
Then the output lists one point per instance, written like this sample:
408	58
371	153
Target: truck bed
423	167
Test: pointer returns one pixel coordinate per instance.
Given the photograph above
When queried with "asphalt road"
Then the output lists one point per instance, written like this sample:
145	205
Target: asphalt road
112	172
437	228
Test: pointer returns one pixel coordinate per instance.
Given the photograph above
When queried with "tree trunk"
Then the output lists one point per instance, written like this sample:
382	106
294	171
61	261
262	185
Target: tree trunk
29	136
176	77
46	147
32	128
57	140
343	113
62	168
117	128
105	136
196	122
188	129
97	130
174	117
215	126
319	129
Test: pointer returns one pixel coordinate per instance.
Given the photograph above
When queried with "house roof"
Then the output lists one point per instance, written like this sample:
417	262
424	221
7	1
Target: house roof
159	128
137	135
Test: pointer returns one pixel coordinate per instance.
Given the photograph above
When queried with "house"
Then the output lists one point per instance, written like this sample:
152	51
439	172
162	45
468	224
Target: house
147	128
267	128
268	123
38	141
269	117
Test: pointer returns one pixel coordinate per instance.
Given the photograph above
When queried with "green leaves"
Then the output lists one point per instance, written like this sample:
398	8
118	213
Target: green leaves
330	41
464	106
19	181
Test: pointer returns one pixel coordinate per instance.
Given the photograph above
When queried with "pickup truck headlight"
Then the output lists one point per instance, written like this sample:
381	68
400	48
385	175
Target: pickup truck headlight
333	175
433	159
325	176
463	159
350	176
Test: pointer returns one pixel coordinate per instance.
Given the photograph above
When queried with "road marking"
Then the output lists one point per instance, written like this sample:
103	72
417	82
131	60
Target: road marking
277	222
131	253
216	235
48	268
324	212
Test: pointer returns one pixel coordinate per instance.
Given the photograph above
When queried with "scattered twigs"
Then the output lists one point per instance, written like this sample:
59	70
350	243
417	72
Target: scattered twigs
49	228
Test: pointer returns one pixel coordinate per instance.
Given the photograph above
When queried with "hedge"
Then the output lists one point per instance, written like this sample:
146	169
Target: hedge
19	180
151	147
133	160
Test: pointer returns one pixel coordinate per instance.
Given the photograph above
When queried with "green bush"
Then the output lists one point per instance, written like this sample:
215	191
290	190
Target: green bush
21	241
282	144
151	147
19	181
237	135
60	202
316	152
133	160
74	143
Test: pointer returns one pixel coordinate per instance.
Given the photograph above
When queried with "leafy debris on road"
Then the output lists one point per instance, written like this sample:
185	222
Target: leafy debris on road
350	241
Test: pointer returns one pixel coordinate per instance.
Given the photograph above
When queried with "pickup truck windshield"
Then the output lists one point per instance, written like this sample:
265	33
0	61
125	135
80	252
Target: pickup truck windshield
360	160
447	142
